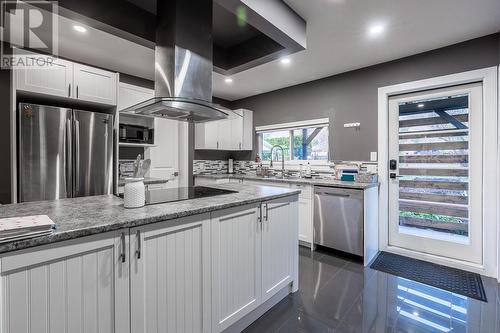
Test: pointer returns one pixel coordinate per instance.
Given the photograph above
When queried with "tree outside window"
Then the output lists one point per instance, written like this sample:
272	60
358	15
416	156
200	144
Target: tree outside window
302	144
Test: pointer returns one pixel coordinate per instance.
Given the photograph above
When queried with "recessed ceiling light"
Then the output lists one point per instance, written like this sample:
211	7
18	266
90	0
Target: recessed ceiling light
286	61
80	28
421	105
376	30
228	80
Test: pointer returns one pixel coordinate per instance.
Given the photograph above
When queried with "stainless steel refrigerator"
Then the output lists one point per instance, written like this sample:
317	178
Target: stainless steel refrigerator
63	153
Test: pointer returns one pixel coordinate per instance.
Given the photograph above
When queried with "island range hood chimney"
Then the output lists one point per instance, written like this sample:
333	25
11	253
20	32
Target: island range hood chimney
183	64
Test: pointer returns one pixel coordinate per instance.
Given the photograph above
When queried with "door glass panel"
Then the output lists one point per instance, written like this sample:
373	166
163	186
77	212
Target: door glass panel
434	167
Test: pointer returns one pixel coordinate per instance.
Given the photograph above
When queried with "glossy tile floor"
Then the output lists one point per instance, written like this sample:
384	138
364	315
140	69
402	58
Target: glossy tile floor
340	295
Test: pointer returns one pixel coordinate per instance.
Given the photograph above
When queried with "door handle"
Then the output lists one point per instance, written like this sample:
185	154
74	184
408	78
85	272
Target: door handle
240	145
266	217
69	90
138	251
69	160
336	194
123	257
77	157
217	144
77	91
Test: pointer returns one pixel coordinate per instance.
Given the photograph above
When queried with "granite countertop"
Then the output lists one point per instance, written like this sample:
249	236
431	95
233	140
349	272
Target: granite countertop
147	181
79	217
292	180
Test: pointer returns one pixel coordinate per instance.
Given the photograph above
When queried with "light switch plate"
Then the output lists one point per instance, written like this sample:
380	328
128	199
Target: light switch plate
373	156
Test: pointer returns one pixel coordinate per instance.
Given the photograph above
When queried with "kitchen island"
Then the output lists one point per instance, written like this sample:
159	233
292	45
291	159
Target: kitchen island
201	265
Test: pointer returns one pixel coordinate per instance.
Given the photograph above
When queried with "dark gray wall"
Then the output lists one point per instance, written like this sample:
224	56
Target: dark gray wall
352	96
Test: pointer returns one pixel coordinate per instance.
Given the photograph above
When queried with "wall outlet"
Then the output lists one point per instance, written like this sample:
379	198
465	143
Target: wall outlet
373	156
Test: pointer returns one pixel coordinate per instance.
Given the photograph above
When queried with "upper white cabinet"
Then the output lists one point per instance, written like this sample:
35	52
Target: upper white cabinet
67	79
55	80
94	84
129	95
77	286
233	133
170	276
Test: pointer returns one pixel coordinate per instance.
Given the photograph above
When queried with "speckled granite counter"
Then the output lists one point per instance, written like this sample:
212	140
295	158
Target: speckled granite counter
312	181
79	217
147	181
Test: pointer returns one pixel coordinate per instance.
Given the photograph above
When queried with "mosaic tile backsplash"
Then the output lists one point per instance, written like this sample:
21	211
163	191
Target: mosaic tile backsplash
211	167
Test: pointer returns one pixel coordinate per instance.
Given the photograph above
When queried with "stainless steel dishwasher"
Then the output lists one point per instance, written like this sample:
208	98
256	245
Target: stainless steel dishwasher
338	219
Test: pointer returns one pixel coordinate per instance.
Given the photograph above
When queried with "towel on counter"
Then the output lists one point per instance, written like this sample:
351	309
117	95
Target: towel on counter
16	228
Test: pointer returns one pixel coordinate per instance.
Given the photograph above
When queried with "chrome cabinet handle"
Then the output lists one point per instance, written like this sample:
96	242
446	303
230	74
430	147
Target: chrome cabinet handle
138	251
123	257
76	91
217	144
240	145
69	90
266	217
259	216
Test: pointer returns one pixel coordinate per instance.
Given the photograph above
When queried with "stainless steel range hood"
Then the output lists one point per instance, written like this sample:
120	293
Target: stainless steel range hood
183	64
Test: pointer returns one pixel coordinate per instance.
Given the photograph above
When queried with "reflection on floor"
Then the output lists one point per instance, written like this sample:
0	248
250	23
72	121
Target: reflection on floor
340	295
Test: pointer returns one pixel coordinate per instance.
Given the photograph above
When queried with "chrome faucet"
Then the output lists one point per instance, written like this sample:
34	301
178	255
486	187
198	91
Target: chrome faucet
282	159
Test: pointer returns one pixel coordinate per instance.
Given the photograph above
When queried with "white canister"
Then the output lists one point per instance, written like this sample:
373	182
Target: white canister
134	195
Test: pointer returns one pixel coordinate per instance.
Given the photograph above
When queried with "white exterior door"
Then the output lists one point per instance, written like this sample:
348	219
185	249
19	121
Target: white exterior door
236	265
170	276
436	172
277	245
73	287
55	79
94	85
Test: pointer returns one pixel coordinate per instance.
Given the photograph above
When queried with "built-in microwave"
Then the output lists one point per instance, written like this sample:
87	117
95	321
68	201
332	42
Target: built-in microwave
136	134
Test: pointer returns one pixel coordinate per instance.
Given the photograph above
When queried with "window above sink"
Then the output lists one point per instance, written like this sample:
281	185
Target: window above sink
301	141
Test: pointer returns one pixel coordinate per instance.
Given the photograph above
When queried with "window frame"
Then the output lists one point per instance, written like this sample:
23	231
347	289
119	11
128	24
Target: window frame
313	123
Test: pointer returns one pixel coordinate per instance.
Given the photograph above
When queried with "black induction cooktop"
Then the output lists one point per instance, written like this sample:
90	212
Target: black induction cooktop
182	193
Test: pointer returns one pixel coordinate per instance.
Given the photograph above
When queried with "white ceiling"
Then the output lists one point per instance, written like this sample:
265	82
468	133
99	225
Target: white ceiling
337	39
336	36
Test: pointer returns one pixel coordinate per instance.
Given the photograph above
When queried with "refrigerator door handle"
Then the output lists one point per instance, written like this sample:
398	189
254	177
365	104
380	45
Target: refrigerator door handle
69	160
77	158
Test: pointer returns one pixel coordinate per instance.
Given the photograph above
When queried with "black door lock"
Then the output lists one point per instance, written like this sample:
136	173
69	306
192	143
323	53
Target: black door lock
393	165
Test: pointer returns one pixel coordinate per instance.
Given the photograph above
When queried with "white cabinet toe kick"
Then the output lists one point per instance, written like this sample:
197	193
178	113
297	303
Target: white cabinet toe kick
212	272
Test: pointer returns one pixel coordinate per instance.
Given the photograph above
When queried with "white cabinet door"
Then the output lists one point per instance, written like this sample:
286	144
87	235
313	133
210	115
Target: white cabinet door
129	95
236	141
55	79
76	286
94	84
224	134
305	220
211	135
278	238
170	276
236	265
165	156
